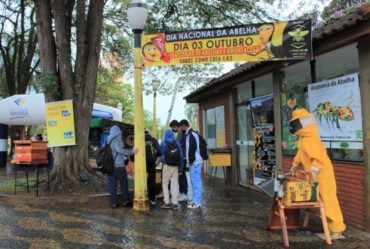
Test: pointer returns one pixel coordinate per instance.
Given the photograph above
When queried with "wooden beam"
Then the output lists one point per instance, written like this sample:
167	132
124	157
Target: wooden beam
364	60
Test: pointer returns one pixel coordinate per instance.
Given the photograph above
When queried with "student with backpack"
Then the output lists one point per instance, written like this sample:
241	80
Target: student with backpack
186	191
119	172
173	166
152	153
196	152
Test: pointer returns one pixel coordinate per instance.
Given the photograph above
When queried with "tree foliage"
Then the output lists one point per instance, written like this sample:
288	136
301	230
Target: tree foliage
339	8
17	46
110	90
191	112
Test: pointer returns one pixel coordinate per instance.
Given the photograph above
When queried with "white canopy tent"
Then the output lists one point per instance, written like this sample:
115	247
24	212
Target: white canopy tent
29	109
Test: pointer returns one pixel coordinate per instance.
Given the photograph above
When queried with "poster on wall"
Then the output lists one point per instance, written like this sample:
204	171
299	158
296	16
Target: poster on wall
285	40
291	100
60	123
264	160
336	105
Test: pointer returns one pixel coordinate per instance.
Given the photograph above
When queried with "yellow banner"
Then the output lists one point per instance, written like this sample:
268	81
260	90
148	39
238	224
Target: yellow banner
255	42
60	124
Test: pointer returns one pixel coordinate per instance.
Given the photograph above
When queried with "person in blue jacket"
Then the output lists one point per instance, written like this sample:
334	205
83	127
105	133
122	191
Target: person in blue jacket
120	173
171	171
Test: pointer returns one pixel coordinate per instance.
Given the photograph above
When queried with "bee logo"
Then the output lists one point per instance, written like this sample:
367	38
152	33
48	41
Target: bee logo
298	33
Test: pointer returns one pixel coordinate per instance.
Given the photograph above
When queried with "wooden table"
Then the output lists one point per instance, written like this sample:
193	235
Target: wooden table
279	209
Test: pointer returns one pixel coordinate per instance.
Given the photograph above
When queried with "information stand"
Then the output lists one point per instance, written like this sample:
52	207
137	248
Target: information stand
218	158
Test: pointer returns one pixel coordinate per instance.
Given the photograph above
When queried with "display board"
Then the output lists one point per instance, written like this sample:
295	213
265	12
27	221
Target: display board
264	155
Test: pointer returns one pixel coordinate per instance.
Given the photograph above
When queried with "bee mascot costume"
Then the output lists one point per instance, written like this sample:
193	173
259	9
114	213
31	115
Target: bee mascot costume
312	155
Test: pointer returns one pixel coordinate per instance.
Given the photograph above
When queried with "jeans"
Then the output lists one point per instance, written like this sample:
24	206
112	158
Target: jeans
196	182
190	188
119	174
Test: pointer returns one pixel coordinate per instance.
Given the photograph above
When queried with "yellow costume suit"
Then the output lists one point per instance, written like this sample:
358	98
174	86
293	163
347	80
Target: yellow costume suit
312	155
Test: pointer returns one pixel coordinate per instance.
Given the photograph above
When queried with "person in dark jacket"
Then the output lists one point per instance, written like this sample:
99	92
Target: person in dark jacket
171	172
186	191
120	174
151	168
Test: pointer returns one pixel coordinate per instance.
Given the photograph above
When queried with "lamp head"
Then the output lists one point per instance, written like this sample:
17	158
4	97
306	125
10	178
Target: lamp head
119	106
155	84
137	13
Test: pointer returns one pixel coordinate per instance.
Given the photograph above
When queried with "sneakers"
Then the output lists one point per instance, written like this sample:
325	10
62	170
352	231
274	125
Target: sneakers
183	197
153	202
127	204
194	206
175	206
166	206
190	202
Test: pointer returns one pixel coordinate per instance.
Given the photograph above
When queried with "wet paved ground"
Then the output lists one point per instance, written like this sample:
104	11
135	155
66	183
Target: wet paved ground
230	218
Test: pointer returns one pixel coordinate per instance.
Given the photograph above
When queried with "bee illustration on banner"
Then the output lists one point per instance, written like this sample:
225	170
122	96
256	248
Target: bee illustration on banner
333	114
154	51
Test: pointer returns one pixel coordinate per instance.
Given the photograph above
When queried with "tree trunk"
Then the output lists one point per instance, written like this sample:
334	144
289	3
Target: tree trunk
71	163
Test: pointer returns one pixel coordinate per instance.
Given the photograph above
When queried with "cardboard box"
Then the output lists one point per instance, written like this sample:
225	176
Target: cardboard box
300	191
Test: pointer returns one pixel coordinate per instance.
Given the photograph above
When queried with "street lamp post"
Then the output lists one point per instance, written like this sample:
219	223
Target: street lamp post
137	13
155	85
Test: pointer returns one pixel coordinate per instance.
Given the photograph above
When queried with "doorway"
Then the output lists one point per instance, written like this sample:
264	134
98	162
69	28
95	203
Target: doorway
244	144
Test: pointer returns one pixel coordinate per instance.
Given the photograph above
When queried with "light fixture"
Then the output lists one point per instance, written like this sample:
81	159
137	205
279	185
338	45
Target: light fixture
155	84
137	13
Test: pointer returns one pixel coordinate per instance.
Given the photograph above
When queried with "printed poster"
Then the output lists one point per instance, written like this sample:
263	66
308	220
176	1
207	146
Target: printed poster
60	124
253	42
264	154
291	100
336	105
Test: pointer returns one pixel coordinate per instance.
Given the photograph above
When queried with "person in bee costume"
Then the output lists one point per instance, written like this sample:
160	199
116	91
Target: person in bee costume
312	156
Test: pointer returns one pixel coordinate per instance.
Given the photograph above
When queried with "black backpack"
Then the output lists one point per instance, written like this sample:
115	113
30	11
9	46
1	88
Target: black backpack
172	153
105	160
150	152
203	147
